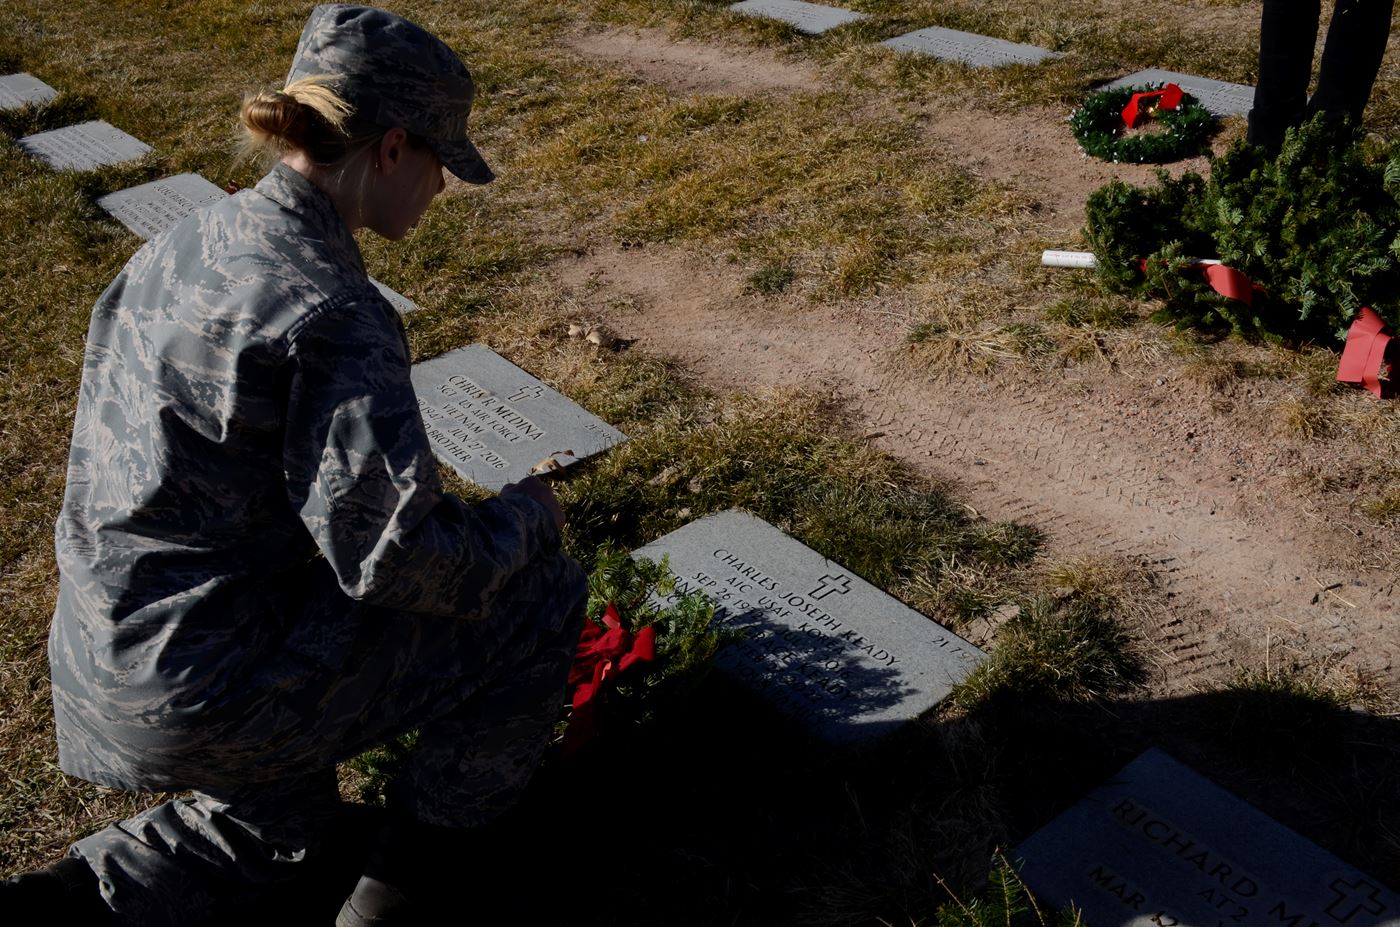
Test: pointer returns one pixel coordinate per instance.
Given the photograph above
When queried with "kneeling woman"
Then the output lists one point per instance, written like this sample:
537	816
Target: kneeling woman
261	575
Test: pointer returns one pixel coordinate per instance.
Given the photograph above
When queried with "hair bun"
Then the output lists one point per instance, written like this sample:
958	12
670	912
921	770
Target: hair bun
274	120
307	115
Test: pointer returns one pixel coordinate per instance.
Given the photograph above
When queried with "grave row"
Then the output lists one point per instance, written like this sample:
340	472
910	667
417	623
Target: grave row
1219	97
847	660
147	209
1158	846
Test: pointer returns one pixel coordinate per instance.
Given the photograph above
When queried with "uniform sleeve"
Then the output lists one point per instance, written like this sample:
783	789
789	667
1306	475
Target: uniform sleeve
361	474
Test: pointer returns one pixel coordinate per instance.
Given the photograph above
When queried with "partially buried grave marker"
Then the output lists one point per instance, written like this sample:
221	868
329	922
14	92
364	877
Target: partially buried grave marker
151	208
401	303
1161	846
813	18
84	146
1218	96
969	47
18	90
847	661
492	422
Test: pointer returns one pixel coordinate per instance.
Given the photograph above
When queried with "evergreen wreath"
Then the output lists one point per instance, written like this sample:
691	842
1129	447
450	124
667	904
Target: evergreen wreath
1099	129
1317	226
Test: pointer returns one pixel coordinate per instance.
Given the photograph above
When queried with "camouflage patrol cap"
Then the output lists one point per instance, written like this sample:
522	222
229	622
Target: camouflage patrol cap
396	74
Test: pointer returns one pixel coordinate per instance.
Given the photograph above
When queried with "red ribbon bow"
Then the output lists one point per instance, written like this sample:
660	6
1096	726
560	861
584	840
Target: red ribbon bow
1369	340
603	654
1169	97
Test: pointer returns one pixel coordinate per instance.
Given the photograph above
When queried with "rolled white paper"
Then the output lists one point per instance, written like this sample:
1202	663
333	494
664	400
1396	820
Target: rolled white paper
1068	259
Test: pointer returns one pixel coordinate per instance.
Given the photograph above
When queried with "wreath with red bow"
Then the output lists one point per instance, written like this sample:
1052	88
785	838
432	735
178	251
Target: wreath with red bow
1105	126
645	645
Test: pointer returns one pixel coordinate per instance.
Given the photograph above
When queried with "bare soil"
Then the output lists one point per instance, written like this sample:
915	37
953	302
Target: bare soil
1037	154
1256	563
695	67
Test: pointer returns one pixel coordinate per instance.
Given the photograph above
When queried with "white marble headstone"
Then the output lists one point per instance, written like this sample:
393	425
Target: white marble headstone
22	89
846	661
84	146
813	18
492	422
969	48
1159	845
1218	96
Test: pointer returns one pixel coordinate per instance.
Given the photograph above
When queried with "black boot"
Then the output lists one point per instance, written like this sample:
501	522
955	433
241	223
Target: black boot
408	871
65	893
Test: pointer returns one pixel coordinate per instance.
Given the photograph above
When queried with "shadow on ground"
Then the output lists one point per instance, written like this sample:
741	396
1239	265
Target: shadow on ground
722	816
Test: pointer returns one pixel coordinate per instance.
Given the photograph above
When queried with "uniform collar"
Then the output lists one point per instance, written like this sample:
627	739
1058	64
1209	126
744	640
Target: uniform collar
293	192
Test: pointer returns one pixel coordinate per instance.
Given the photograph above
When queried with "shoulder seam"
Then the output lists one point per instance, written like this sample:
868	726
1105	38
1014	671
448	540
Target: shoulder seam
334	302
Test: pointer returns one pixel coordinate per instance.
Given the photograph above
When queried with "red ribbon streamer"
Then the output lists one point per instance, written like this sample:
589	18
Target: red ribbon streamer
1228	282
603	654
1369	340
1169	97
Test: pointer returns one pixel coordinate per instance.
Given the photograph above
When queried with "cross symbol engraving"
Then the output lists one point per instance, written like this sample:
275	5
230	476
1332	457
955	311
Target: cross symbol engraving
829	584
1353	897
533	391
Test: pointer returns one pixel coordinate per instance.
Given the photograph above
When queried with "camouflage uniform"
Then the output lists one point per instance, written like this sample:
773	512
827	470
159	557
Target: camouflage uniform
261	574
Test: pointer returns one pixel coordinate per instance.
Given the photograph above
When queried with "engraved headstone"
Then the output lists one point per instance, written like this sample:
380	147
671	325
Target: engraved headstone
151	208
842	658
813	18
84	146
401	303
18	90
492	422
1159	845
969	48
1218	96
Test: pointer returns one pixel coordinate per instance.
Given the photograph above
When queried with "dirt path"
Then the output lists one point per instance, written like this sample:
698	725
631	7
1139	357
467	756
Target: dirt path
1138	468
1154	468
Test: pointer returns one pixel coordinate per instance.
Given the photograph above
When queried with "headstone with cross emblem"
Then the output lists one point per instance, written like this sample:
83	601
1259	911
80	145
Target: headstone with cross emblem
493	423
1159	845
845	660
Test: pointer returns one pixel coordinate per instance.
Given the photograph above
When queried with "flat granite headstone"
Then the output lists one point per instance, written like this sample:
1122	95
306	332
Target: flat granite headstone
401	303
1159	845
842	658
151	208
1218	96
492	422
84	146
21	89
969	48
813	18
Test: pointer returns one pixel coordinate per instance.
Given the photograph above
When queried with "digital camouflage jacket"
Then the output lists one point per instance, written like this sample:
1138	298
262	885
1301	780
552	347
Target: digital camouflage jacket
245	429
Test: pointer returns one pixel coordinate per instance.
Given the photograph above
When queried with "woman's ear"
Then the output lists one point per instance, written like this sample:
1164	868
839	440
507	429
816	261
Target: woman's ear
391	150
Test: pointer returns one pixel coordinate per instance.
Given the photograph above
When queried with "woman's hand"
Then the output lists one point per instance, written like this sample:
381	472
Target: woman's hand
537	489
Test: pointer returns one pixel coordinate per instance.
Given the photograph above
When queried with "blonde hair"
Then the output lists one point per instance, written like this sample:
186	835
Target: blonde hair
306	116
